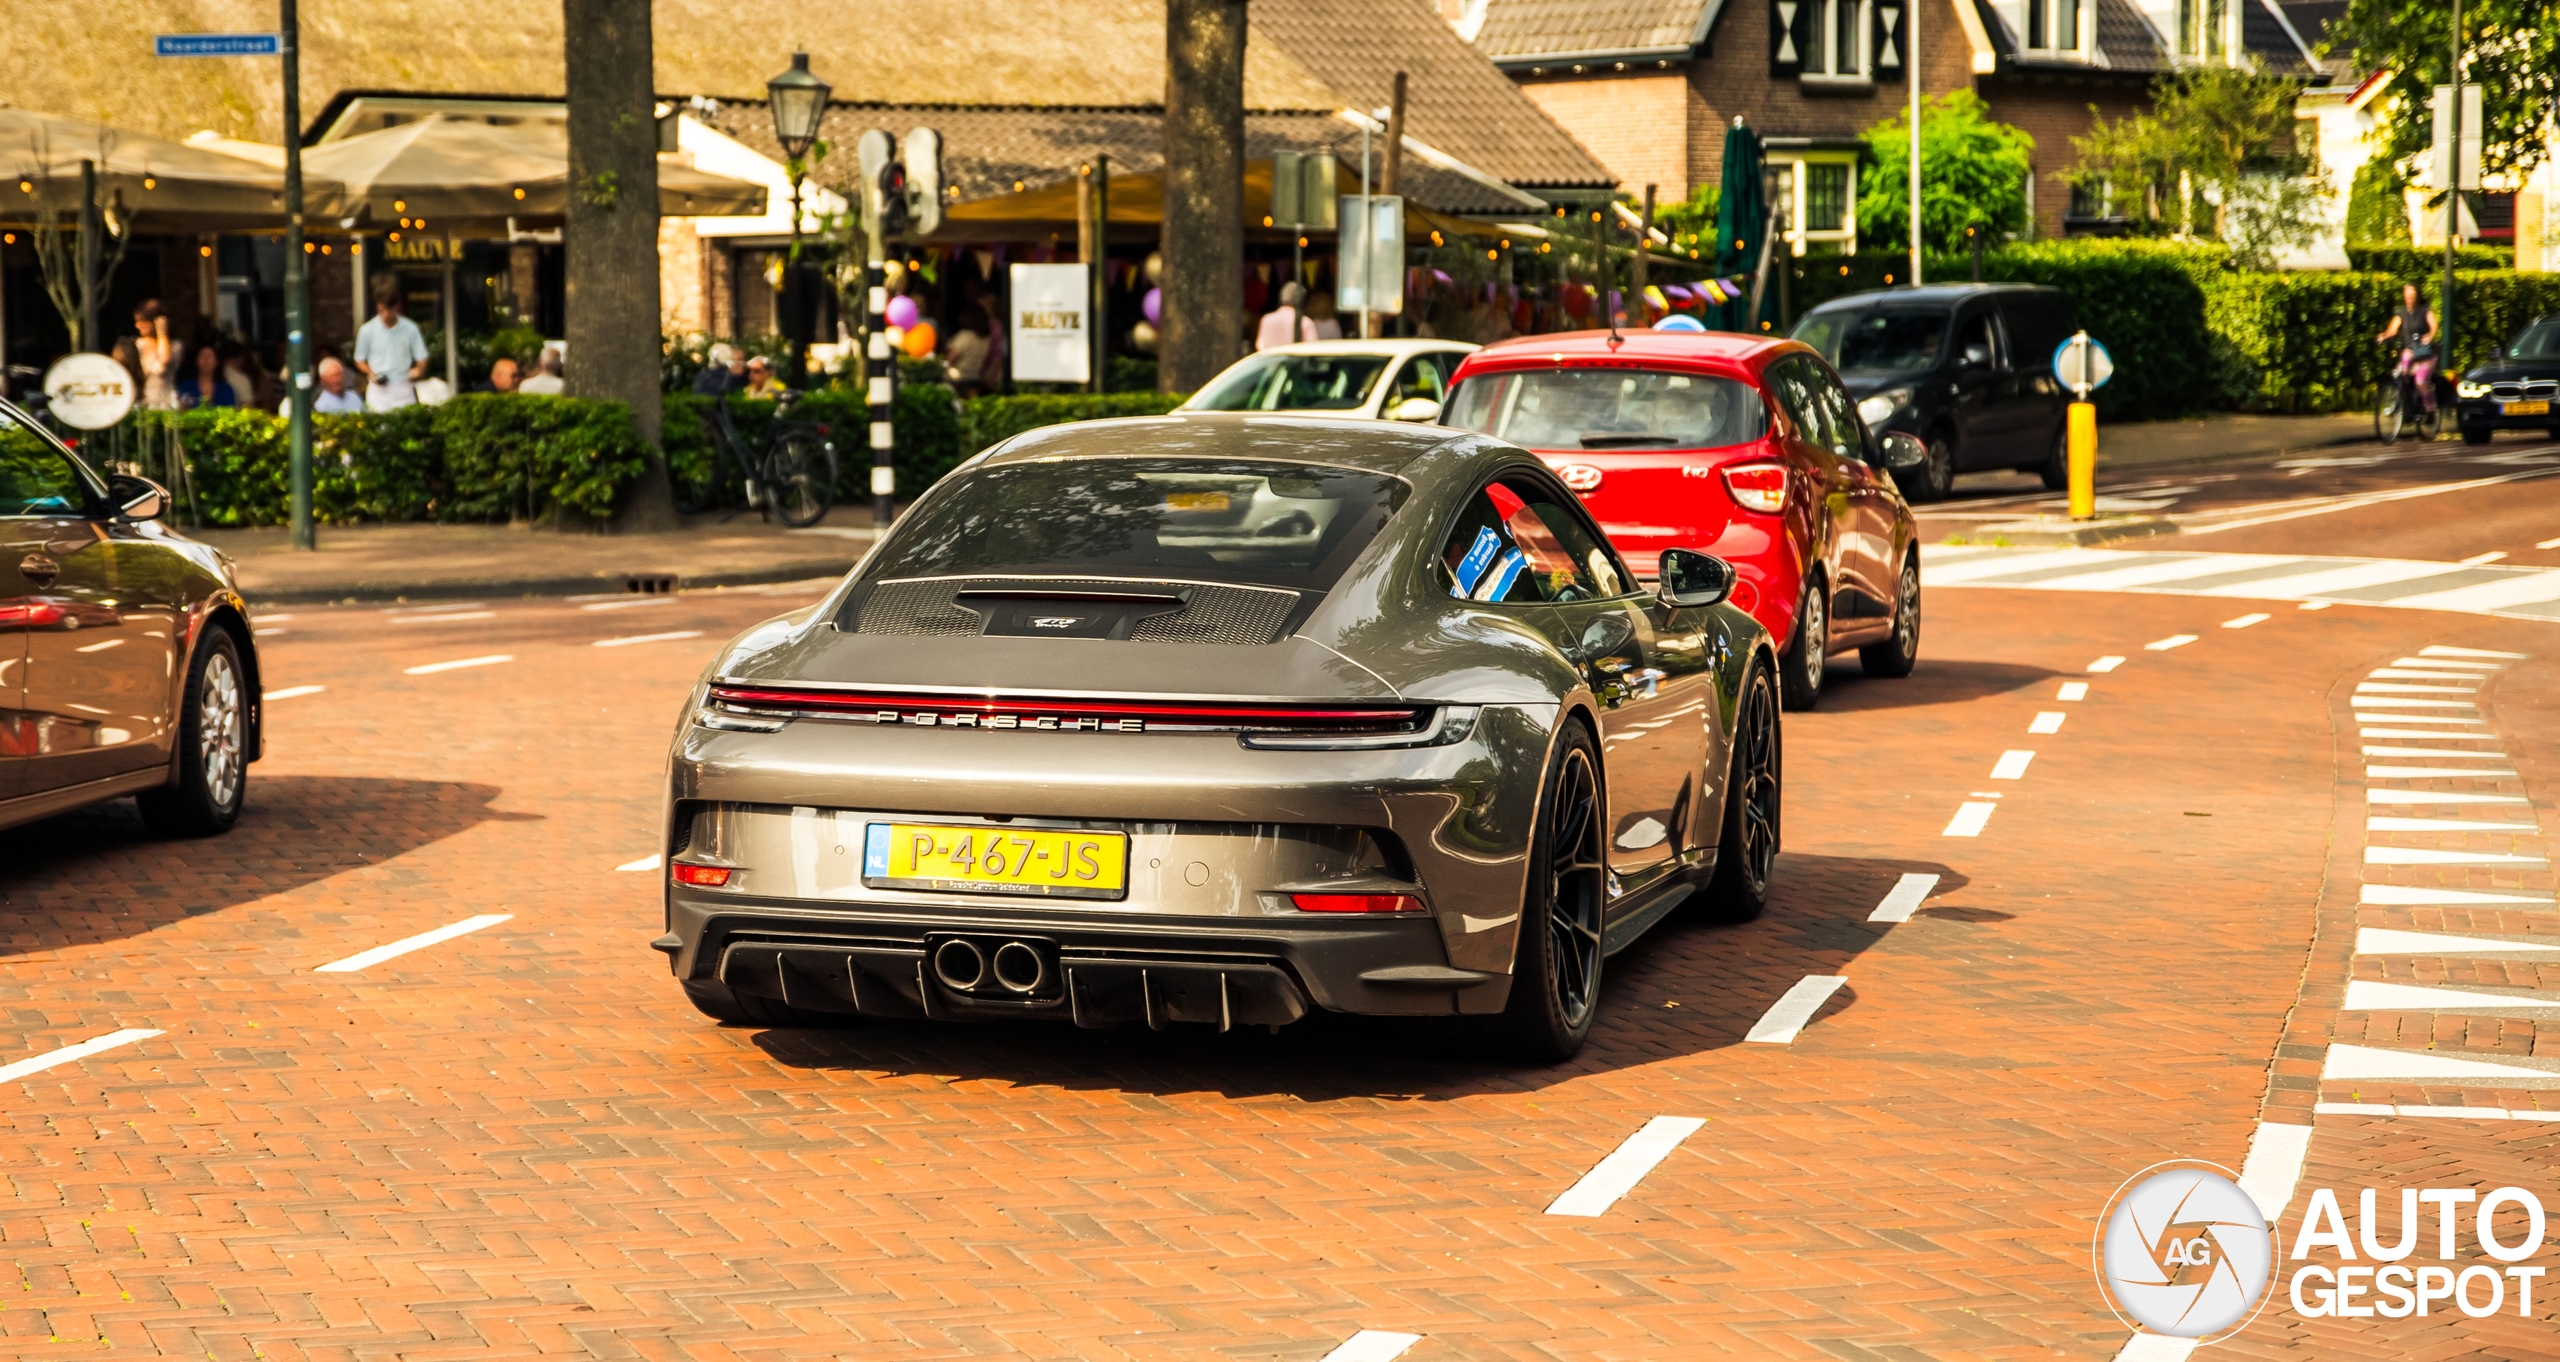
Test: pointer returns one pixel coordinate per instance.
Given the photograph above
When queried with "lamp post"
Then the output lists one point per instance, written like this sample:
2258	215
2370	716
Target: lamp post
799	101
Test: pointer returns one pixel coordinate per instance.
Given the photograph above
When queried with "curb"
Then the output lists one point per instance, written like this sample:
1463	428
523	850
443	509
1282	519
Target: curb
636	583
2055	530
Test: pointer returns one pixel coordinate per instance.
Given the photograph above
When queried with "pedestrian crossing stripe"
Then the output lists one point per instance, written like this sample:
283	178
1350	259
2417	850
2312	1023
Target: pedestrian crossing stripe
2510	592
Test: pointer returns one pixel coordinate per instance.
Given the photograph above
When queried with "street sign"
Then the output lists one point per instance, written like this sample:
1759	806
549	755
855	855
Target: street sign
1049	341
2083	365
217	45
2440	153
88	391
1370	254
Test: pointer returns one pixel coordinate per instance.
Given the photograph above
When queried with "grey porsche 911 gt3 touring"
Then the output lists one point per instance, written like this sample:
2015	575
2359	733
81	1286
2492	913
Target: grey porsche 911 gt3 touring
1223	719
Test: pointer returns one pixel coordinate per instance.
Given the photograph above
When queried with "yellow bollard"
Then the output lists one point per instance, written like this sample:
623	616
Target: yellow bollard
2083	455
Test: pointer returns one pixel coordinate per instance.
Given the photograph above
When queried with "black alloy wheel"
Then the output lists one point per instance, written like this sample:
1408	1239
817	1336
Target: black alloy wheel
212	774
1935	478
1807	654
2055	471
1747	850
1555	971
1899	652
803	484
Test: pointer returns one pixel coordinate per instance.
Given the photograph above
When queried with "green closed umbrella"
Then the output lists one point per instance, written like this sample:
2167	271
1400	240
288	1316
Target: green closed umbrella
1742	213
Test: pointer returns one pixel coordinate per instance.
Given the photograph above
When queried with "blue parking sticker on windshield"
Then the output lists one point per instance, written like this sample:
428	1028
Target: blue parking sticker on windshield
1480	555
1497	583
875	851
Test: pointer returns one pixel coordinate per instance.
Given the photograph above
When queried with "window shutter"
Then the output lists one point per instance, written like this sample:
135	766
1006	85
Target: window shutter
1788	22
1889	22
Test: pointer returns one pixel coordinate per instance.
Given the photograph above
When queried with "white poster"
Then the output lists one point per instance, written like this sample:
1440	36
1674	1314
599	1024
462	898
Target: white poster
1370	267
1049	343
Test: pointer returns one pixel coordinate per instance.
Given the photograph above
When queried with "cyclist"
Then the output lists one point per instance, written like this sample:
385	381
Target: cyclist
2415	325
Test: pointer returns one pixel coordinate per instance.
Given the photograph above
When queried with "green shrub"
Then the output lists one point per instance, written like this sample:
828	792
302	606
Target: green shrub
2377	206
2415	264
2309	335
534	458
2490	307
2145	300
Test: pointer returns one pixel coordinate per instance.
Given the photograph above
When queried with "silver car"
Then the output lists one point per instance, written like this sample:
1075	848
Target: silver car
1223	719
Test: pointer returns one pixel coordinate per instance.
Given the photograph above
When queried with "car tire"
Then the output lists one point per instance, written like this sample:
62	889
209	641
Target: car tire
1555	969
1935	478
1800	670
1747	848
1900	650
2477	435
2055	471
721	1003
211	776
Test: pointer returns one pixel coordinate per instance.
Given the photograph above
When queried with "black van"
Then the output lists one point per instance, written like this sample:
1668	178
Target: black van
1968	368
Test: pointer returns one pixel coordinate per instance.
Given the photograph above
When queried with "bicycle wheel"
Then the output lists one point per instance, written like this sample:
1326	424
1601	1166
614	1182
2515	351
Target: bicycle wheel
2430	422
2388	414
799	481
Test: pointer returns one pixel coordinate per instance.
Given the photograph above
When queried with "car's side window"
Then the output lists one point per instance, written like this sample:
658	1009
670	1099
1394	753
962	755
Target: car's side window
1976	344
1422	376
35	478
1848	434
1517	543
1791	382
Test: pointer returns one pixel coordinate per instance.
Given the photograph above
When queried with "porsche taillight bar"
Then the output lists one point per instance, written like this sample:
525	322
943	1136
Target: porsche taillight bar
1030	711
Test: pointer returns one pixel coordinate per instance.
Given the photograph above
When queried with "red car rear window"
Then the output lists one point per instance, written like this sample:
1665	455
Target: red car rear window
1611	408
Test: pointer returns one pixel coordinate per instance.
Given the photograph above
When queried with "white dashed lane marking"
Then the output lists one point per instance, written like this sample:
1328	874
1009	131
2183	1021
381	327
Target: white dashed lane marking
2165	644
1372	1345
2378	823
1786	1018
2370	995
293	692
2431	856
2438	772
2372	751
446	618
1616	1175
2422	896
432	668
1906	896
668	637
2436	797
1971	817
2072	690
2012	764
633	603
2244	621
366	959
2046	721
70	1053
2448	650
2434	1113
2392	941
2106	664
649	862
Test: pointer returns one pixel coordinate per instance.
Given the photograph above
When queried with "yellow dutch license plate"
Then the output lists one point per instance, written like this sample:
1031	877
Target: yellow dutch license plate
2525	408
1034	862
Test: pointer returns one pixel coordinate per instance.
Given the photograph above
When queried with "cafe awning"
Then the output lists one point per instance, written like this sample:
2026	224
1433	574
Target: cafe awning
450	176
156	184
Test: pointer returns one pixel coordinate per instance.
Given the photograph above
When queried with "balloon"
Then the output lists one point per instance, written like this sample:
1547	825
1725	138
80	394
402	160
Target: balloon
1142	338
903	311
920	340
1655	297
1155	267
1153	305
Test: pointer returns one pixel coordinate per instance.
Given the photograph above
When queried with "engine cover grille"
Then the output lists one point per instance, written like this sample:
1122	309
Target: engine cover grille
1210	613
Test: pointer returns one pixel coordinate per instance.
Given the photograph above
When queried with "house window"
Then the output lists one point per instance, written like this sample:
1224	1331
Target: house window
2054	26
1826	39
2204	29
1816	200
1826	197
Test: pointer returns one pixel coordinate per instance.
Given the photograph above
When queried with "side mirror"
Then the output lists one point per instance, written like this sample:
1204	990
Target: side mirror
1690	578
1902	451
136	498
1414	409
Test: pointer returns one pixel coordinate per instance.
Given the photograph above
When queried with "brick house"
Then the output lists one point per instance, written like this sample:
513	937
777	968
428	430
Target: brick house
1651	85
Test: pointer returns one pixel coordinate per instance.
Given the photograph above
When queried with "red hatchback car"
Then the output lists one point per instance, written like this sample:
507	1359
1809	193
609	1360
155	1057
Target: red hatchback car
1745	447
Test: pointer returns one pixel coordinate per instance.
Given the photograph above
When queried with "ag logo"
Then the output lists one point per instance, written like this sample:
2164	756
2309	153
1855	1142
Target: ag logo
2182	1251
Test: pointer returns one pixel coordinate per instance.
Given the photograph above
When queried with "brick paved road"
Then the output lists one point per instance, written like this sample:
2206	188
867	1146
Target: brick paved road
521	1142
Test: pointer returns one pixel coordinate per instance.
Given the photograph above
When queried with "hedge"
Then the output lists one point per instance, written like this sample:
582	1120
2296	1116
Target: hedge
2414	263
490	457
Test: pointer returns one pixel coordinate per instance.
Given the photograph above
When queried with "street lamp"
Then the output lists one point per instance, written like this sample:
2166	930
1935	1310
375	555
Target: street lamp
799	101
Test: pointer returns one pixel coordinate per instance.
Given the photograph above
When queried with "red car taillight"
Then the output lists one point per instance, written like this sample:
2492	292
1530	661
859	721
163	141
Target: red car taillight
706	876
1356	903
1757	486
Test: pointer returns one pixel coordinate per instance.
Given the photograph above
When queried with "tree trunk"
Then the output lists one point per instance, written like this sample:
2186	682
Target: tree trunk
612	230
1203	326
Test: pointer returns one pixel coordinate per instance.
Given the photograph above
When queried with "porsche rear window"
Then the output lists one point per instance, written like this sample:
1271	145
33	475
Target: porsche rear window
1609	409
1268	524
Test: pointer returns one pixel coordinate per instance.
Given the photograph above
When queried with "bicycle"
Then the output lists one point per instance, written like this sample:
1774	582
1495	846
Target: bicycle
2402	408
790	474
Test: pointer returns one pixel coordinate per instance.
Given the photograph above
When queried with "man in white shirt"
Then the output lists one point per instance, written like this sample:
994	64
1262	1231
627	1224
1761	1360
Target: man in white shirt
547	380
333	399
390	350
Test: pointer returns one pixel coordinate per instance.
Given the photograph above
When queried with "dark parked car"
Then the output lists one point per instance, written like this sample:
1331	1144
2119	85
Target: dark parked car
1968	368
126	662
2516	387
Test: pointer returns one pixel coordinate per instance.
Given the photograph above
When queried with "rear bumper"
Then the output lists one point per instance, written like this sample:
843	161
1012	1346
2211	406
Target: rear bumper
1096	970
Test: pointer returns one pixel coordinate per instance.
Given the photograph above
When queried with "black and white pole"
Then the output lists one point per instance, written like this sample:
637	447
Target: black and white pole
881	359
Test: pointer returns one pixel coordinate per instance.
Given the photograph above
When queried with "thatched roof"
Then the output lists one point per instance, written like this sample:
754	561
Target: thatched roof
94	60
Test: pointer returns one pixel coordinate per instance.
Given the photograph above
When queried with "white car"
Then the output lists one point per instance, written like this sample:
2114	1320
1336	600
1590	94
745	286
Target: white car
1394	380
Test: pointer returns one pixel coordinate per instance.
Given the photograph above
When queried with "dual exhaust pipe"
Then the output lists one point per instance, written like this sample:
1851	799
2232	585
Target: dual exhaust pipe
1015	967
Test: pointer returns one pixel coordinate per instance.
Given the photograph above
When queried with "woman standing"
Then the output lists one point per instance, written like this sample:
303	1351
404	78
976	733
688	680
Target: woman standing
157	354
